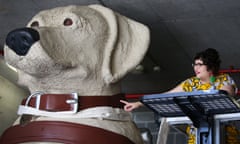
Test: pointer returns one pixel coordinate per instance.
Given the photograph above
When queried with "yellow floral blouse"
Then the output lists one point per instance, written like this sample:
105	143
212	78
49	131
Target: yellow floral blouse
194	84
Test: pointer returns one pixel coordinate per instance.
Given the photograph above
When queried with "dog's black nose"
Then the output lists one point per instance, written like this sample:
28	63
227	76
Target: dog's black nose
20	40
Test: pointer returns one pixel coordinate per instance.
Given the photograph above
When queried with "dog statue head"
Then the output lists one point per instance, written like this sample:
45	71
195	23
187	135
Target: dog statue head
83	49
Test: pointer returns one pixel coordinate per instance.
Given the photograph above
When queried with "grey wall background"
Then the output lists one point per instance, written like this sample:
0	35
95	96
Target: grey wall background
179	29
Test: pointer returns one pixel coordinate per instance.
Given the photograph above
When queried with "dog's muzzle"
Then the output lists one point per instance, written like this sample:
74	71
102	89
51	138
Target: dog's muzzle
21	40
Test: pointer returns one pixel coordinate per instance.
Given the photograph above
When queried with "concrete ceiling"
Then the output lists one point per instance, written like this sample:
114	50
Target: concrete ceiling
179	29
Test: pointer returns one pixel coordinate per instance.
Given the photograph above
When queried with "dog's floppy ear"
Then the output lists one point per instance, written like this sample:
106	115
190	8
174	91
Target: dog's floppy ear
127	44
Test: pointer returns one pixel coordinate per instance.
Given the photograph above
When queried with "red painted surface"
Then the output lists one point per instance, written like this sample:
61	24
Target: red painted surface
133	96
230	71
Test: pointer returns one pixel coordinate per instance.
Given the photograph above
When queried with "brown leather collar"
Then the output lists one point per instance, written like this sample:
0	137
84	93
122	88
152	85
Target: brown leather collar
57	102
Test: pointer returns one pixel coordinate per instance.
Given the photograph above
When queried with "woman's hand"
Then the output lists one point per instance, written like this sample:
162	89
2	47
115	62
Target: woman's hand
130	106
229	89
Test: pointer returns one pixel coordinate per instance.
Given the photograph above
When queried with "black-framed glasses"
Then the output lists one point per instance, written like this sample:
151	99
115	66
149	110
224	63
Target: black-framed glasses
197	64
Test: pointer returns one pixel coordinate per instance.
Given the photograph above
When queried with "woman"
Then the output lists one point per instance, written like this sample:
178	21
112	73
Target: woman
206	67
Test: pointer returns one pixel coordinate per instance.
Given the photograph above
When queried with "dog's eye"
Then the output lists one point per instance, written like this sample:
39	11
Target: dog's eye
67	22
35	24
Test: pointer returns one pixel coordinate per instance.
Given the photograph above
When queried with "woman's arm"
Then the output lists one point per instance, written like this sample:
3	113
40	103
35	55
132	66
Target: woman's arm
229	89
176	89
129	106
229	85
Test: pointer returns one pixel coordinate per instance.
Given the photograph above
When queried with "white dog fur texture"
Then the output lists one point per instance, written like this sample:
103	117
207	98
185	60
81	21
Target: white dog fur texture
89	57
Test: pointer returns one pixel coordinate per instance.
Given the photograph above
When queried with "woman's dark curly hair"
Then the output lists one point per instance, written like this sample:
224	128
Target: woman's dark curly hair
210	58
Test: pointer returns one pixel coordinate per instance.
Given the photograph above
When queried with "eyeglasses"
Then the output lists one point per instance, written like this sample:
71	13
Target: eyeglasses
197	64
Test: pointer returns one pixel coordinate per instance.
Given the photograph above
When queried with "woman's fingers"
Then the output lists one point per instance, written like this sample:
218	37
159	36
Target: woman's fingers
128	106
123	101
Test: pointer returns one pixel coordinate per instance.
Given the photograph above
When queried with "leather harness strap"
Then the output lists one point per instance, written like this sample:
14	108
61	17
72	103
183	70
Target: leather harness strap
62	132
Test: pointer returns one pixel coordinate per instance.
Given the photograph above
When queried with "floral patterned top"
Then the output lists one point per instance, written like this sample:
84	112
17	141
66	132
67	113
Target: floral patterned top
194	84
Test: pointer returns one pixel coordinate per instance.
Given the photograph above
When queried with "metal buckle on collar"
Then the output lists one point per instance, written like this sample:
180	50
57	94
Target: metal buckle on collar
38	95
73	102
